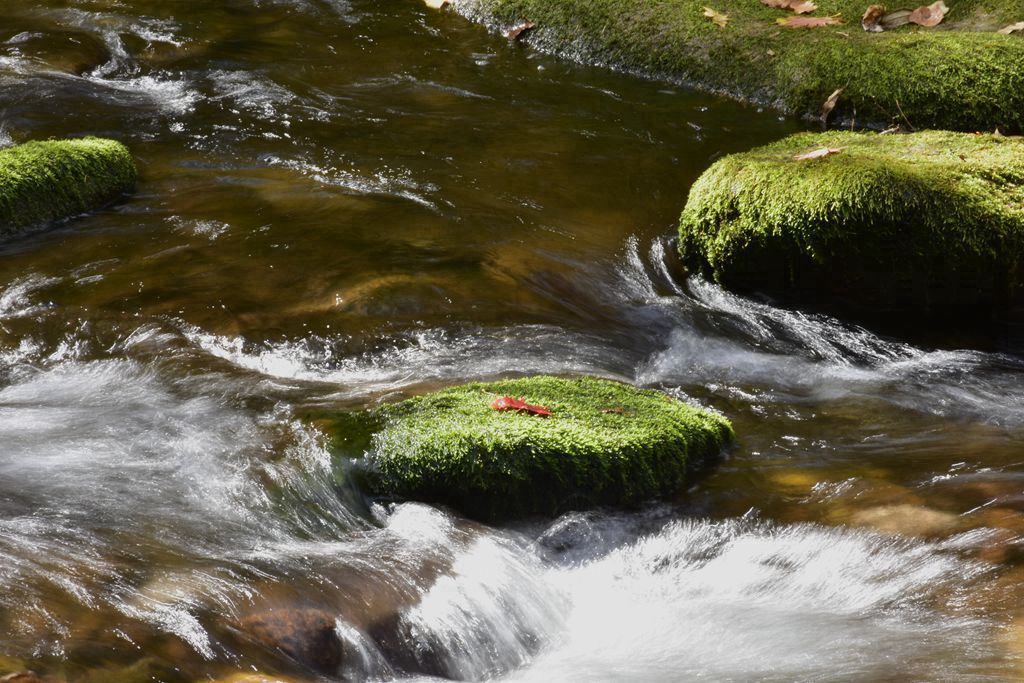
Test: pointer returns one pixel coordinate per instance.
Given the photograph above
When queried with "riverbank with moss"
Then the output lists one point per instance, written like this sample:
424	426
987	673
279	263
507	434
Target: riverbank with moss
960	75
926	223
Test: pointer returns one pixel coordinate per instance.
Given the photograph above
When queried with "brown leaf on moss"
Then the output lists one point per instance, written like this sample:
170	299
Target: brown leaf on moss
719	19
870	22
519	29
876	19
617	410
929	15
1007	30
819	153
809	22
896	18
797	6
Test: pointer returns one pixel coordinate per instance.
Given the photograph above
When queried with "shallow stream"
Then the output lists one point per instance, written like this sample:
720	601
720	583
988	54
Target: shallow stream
345	202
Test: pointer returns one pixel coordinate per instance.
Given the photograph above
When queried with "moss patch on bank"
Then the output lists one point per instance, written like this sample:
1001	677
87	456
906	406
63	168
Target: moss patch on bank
47	181
960	75
923	205
606	443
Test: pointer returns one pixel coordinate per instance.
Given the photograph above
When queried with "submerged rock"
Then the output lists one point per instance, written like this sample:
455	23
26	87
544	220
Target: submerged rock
22	677
962	75
68	50
907	520
47	181
306	636
143	671
926	224
251	677
12	665
605	443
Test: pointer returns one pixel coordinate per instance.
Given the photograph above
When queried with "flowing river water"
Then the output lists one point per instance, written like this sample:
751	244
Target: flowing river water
345	202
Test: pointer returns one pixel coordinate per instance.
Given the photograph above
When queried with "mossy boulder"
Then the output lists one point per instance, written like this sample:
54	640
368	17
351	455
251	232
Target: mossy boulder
929	222
960	75
51	180
605	443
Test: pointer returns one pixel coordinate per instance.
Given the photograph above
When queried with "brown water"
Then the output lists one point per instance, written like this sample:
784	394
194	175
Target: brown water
344	202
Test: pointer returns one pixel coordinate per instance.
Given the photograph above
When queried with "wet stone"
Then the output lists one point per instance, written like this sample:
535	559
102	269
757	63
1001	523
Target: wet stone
254	677
1002	518
1005	544
1013	640
69	51
143	671
306	636
906	520
22	677
11	666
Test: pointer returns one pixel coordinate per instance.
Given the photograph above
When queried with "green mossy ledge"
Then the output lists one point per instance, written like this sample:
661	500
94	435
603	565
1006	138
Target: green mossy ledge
923	223
606	443
50	180
960	75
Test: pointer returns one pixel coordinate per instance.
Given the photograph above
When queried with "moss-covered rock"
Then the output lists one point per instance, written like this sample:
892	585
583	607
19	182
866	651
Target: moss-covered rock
959	75
924	222
46	181
606	443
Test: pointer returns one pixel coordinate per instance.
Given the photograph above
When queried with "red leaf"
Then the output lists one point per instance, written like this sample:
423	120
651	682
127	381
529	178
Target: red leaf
518	404
929	16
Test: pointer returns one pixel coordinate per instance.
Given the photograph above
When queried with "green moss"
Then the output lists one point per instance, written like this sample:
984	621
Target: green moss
46	181
960	75
606	443
921	205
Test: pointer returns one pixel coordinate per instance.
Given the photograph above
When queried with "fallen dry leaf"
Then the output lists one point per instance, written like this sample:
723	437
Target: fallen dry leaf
437	4
876	19
809	22
829	105
797	6
818	153
518	30
1007	30
895	19
929	15
719	19
617	410
870	22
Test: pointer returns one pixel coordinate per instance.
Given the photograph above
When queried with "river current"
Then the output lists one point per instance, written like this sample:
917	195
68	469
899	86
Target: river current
348	202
